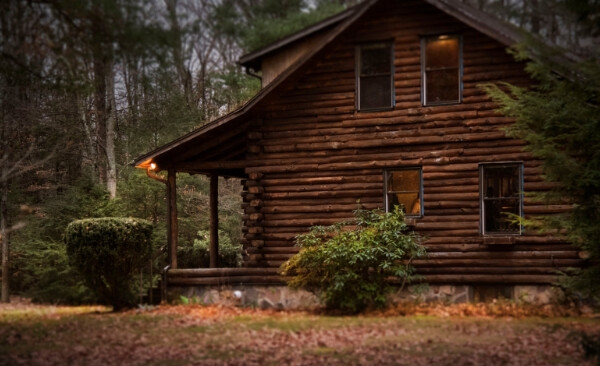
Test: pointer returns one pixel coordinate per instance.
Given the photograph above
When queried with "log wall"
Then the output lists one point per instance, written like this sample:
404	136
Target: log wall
320	156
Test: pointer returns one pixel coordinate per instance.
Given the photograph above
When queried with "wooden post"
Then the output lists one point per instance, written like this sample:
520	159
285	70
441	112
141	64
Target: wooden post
172	226
214	221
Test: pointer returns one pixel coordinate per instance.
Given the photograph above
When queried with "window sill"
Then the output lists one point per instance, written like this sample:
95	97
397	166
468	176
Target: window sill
379	109
500	240
435	104
410	221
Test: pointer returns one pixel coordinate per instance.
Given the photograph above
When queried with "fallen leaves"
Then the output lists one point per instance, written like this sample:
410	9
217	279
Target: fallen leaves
408	334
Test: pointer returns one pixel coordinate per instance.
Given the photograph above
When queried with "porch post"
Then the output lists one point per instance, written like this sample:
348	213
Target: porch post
172	225
214	221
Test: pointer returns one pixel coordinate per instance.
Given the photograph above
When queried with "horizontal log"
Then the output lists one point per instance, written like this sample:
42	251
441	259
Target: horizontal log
489	270
463	247
219	272
450	225
550	254
275	250
291	217
269	257
394	141
228	280
356	194
490	278
323	187
317	208
271	205
502	262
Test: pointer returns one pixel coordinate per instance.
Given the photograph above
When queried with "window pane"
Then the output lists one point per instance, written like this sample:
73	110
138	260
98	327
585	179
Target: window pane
441	70
501	198
404	188
375	60
497	218
404	180
501	182
442	53
442	85
375	92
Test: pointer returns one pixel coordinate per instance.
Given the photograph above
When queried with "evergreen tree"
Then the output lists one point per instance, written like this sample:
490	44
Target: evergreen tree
559	118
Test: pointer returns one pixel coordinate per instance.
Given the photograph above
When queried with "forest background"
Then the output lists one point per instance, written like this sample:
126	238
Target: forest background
86	86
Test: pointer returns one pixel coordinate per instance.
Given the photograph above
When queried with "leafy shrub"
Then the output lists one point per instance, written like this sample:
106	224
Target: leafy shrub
349	268
197	255
107	252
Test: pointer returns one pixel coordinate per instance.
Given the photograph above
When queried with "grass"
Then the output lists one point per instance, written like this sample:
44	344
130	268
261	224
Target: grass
194	334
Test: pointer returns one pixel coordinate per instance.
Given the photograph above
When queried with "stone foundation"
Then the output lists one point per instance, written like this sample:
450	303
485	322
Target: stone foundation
283	297
263	297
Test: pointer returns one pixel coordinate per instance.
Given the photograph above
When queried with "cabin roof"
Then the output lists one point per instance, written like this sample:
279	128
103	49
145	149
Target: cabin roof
202	140
502	32
253	59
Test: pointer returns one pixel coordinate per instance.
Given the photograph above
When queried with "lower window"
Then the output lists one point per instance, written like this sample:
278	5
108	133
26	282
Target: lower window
404	187
501	192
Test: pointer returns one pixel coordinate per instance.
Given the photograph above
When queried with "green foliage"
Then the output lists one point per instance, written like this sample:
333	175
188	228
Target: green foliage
256	25
559	118
39	263
44	274
349	268
197	255
107	252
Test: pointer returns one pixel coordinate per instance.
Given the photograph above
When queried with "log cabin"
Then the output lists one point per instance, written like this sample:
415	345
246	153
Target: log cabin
380	105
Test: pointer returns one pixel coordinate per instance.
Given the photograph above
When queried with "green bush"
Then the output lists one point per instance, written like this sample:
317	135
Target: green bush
108	252
197	255
348	268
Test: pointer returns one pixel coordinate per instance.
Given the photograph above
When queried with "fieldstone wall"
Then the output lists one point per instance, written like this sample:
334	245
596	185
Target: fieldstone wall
263	297
283	297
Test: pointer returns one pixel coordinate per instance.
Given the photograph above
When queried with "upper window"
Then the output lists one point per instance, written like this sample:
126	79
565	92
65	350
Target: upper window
375	76
501	197
404	187
441	68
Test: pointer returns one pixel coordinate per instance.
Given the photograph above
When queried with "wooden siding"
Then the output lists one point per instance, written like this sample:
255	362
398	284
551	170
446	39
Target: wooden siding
320	156
276	63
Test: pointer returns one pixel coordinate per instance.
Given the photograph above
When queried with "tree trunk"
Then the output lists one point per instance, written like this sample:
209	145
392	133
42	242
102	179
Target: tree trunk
178	58
100	109
4	231
111	117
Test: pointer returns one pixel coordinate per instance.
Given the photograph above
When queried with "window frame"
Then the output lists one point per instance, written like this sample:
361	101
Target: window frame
386	174
358	75
460	86
482	199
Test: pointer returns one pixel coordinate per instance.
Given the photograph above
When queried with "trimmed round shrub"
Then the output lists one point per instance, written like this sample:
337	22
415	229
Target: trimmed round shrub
108	252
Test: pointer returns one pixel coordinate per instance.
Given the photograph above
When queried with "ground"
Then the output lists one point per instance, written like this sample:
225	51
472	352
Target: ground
409	334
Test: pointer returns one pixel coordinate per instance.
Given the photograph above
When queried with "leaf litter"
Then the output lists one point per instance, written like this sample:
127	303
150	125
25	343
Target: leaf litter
502	333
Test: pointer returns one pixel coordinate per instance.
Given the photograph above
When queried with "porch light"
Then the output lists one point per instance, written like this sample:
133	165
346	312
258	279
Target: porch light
152	166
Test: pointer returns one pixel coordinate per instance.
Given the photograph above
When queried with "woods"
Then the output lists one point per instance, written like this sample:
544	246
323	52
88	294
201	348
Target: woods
87	86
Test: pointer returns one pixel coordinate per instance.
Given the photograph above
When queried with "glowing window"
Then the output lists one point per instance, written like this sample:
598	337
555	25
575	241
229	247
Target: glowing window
441	65
404	187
